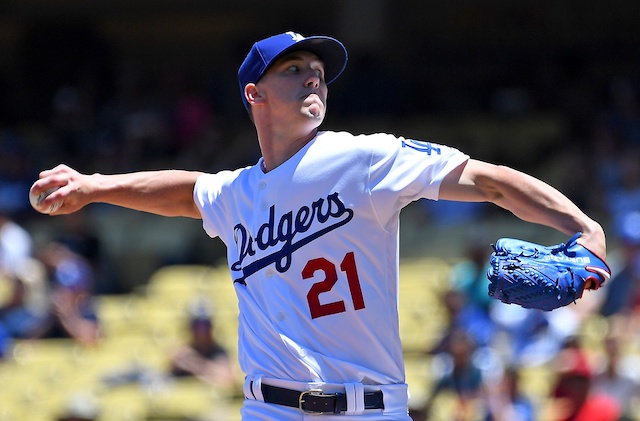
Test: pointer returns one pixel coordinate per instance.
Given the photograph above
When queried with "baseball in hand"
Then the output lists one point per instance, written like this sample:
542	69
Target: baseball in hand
36	199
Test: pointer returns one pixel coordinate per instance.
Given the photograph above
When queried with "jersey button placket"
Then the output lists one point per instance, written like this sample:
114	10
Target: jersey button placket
261	205
261	186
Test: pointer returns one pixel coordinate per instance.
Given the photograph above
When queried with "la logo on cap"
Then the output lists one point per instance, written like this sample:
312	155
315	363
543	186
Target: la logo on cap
295	36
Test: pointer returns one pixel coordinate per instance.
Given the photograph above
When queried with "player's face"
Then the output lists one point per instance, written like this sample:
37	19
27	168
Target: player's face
294	86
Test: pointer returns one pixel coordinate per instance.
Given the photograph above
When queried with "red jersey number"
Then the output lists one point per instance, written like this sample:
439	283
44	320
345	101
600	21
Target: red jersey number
348	266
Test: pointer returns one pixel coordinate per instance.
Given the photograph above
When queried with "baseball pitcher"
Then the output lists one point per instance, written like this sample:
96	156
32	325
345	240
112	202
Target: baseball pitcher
311	232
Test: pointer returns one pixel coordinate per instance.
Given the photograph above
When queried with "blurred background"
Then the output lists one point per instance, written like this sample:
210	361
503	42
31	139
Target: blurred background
548	87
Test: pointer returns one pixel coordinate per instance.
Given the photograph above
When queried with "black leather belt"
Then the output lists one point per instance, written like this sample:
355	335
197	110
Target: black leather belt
316	401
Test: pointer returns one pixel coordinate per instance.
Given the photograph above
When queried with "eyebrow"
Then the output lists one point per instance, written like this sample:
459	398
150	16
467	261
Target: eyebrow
296	56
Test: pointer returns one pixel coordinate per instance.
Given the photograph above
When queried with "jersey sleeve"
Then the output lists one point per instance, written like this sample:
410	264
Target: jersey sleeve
404	170
207	189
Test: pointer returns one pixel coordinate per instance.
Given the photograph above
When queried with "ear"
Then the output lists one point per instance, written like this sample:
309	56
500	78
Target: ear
252	94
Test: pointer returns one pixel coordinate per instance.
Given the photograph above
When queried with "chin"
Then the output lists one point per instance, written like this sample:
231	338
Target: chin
316	120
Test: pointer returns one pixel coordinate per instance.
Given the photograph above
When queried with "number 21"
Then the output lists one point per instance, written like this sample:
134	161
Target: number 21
348	266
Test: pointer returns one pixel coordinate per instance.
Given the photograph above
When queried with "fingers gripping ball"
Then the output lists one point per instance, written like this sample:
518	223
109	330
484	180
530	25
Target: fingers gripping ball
543	277
36	201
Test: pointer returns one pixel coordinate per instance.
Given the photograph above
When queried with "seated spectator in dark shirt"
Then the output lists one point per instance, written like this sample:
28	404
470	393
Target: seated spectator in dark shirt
505	400
203	357
461	376
72	313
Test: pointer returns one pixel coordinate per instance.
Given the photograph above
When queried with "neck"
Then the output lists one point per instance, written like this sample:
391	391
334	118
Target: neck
276	150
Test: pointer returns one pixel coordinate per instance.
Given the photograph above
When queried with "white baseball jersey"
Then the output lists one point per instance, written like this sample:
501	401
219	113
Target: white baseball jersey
313	251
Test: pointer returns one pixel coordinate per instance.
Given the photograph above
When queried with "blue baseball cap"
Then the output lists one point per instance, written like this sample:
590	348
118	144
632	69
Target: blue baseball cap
265	52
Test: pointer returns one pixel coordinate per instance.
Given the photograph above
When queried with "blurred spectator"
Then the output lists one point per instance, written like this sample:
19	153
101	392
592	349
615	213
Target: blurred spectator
470	275
534	336
572	395
506	402
458	373
203	357
623	290
624	197
463	317
26	307
16	245
23	278
618	377
79	235
72	313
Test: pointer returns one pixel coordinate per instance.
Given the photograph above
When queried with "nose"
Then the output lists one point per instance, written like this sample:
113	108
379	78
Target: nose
313	81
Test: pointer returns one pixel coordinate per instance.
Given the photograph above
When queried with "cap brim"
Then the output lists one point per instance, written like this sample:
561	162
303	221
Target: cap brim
331	51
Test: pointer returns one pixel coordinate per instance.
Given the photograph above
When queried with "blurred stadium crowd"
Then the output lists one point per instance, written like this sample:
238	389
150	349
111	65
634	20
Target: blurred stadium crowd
51	283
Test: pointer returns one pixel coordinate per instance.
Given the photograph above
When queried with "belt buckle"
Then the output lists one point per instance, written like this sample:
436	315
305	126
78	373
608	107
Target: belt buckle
313	392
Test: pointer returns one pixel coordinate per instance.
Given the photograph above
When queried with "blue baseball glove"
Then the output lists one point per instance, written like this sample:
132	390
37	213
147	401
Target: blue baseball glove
543	277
